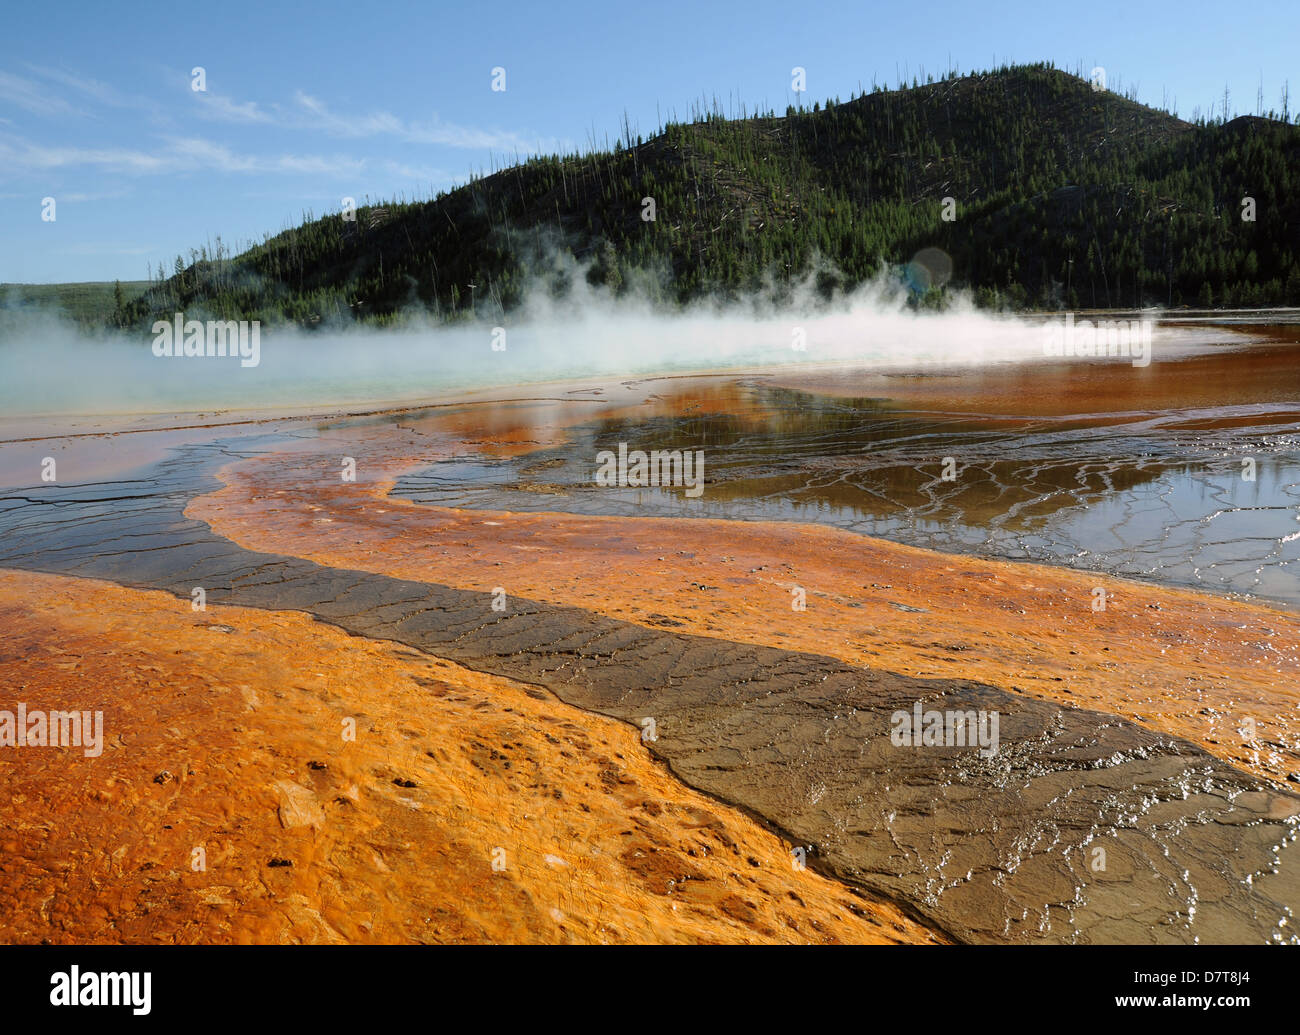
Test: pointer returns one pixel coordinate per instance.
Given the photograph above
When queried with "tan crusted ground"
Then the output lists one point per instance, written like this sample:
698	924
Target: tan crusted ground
1223	674
224	730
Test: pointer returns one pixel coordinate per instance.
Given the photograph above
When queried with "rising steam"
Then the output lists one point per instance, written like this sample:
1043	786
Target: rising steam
50	368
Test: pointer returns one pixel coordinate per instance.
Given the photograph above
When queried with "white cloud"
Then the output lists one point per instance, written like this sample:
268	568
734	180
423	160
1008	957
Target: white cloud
306	113
310	113
224	109
196	154
382	123
80	198
104	93
33	97
19	155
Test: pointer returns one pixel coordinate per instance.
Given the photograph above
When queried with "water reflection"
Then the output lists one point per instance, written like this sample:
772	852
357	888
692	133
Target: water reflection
1153	495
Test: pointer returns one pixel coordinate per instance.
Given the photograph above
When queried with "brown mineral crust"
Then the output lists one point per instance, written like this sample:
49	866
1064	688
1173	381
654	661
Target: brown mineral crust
1220	673
224	731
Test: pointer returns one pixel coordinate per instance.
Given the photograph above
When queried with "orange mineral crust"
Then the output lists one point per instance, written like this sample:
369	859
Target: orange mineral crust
1221	673
230	802
1218	378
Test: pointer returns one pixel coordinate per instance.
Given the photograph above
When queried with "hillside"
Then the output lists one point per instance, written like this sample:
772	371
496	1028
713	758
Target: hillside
1064	196
90	303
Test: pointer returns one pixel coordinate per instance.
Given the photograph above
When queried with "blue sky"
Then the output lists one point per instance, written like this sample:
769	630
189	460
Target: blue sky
308	103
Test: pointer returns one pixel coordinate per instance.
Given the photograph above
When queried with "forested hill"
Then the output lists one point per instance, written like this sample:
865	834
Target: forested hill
1062	196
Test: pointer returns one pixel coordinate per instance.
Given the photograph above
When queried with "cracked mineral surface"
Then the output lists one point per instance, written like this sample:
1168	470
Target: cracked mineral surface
787	721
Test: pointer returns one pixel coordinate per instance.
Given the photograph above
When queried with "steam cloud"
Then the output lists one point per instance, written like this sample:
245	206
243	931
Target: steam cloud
50	368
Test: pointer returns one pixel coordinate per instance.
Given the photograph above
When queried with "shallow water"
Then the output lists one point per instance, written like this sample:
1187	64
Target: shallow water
1181	492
